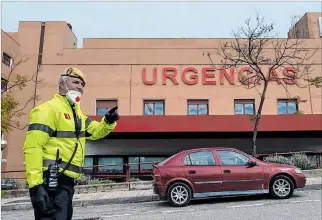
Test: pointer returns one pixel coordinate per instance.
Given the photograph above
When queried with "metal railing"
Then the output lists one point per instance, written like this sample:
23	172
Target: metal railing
94	172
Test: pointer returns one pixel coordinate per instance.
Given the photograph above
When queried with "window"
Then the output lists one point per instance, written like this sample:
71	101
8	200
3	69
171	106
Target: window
287	106
88	164
140	166
6	59
149	161
197	107
154	107
244	106
232	158
4	85
103	105
134	167
203	158
113	162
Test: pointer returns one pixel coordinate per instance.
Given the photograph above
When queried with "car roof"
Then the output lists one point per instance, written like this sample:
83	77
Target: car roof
209	148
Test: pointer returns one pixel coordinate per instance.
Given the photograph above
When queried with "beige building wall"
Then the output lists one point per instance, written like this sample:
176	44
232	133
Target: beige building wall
114	69
307	26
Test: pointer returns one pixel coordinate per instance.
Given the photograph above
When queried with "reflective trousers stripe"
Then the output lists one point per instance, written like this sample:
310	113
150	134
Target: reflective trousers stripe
52	133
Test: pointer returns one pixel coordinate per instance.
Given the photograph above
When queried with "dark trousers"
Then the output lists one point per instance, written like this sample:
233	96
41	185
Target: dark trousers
61	200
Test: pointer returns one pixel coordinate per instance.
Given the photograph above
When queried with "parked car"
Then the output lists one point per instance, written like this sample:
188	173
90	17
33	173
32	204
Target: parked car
217	172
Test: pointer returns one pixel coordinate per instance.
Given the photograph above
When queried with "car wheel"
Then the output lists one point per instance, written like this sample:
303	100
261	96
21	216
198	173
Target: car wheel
281	187
179	194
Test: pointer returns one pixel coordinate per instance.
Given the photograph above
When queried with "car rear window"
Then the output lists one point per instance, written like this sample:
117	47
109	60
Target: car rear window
166	160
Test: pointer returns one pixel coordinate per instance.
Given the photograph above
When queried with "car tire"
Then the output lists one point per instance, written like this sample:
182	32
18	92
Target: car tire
179	194
281	187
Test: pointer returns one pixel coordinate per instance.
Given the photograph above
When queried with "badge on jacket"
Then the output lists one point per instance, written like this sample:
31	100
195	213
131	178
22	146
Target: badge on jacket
67	116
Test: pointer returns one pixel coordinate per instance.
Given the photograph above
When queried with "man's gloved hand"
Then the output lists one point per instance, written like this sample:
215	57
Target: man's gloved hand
111	116
41	200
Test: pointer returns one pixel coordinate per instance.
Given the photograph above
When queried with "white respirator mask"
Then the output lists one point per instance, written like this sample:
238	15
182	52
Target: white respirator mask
73	96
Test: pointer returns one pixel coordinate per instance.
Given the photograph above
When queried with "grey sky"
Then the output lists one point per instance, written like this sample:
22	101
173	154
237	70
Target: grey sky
154	19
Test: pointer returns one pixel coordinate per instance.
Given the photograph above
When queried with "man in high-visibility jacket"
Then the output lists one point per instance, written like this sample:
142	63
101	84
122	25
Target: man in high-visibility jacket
54	147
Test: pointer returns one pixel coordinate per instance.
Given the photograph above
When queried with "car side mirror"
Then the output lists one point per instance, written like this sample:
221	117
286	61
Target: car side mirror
251	163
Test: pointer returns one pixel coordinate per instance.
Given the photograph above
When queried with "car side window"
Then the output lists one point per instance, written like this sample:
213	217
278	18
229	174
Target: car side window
232	158
203	158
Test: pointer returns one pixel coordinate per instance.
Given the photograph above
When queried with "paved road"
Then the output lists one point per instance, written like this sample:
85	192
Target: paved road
304	205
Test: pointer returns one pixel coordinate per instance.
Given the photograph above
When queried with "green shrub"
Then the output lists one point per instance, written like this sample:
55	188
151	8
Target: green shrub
278	159
302	161
11	184
133	179
98	181
88	180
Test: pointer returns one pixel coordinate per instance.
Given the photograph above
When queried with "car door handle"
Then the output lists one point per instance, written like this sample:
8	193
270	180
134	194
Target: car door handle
227	171
192	172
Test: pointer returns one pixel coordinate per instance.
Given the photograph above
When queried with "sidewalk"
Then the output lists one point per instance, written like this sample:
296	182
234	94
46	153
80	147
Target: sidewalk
112	197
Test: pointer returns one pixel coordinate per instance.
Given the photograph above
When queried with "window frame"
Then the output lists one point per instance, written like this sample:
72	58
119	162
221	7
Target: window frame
102	99
244	102
89	170
6	56
153	101
4	86
197	102
107	170
287	101
195	152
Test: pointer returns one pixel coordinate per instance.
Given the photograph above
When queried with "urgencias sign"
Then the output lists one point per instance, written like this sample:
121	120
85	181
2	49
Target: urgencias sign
207	75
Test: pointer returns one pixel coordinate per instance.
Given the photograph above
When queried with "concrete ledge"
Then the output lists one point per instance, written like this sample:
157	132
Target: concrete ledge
140	185
83	203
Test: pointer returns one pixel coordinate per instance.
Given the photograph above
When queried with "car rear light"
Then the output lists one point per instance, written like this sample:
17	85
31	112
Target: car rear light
156	174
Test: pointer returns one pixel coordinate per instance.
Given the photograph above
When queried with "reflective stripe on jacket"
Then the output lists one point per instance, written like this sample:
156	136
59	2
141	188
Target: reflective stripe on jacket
52	127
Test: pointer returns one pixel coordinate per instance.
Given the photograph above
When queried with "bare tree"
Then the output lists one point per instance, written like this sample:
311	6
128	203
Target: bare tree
257	46
11	109
316	81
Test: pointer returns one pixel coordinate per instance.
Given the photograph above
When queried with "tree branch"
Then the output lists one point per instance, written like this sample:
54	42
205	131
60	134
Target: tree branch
257	46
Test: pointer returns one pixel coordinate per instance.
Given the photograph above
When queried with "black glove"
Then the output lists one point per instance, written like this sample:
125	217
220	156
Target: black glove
41	200
111	116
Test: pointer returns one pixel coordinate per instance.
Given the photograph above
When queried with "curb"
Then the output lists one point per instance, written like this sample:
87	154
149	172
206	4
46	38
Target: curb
316	186
124	200
83	203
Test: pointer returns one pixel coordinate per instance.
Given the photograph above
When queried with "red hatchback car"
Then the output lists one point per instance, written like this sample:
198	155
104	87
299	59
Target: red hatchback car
213	172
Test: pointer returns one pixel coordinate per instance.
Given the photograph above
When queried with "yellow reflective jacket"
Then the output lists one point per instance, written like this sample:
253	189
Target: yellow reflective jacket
52	127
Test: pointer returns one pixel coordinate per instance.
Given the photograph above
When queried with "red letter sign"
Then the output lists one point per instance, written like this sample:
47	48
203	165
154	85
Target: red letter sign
205	75
273	76
193	77
245	80
224	73
154	80
171	76
290	72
